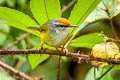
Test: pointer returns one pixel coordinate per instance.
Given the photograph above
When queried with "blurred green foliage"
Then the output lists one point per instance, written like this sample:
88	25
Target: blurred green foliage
19	4
87	37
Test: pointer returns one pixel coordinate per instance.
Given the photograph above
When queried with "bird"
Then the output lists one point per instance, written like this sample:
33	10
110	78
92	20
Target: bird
54	32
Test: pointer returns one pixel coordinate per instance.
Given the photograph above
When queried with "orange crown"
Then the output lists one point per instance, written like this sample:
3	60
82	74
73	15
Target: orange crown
64	21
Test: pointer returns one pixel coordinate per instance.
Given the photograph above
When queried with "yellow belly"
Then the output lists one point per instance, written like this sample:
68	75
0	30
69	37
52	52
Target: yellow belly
45	37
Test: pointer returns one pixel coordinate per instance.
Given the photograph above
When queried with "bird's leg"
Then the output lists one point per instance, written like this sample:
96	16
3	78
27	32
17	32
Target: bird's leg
64	50
42	43
57	49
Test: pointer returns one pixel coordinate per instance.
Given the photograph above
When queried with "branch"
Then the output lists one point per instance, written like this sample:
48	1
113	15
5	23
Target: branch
68	6
18	40
108	38
60	53
21	74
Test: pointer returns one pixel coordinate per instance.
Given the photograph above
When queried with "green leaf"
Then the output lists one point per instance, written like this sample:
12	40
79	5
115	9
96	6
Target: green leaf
20	57
81	10
113	7
44	10
87	41
116	67
115	74
34	40
49	47
90	74
18	19
48	69
36	59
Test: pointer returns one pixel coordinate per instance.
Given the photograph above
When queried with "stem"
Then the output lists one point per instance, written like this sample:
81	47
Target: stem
59	67
113	29
60	53
68	6
19	64
21	74
18	40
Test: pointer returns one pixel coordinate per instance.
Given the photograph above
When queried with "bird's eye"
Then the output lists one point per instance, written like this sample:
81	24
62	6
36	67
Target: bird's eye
42	30
60	25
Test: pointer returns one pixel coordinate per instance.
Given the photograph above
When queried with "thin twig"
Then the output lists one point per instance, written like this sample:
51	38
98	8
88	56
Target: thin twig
113	29
18	40
60	53
59	67
19	64
68	6
109	38
21	74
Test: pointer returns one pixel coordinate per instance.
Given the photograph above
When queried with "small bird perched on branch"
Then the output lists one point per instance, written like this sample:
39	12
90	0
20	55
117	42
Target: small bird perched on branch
54	32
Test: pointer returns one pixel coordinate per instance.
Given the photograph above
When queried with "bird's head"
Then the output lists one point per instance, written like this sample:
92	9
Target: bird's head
62	22
54	23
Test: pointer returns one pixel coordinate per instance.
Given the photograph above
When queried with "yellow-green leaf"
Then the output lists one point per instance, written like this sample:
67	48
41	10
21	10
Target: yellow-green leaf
105	50
44	10
36	59
87	41
81	10
17	19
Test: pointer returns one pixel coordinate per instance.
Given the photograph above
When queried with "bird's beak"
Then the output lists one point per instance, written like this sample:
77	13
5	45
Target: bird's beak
73	26
33	28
